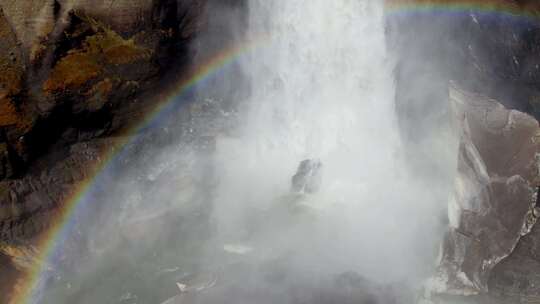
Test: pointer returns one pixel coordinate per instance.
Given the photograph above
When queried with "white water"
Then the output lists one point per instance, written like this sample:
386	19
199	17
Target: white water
322	88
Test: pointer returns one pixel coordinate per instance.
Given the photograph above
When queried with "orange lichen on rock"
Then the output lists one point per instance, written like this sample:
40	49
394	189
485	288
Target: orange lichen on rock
8	112
115	49
10	79
99	50
74	70
124	54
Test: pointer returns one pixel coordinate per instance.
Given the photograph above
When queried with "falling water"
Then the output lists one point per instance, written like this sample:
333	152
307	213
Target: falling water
322	88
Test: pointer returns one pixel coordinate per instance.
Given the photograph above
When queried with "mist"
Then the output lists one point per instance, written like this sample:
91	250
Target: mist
203	207
322	88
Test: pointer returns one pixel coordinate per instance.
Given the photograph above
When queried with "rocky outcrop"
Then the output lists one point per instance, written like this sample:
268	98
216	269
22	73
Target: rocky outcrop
75	75
74	71
308	177
80	64
495	197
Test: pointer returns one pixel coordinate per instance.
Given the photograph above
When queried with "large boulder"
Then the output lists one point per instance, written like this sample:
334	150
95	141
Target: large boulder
494	202
308	177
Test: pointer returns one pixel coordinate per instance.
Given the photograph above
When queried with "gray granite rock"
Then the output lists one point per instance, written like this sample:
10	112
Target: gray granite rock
308	177
493	205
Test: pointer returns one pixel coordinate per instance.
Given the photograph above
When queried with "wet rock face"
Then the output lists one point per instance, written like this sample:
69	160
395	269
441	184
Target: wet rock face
494	61
308	177
494	202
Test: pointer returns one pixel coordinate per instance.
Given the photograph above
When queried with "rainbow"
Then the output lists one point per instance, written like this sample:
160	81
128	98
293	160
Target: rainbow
49	244
501	8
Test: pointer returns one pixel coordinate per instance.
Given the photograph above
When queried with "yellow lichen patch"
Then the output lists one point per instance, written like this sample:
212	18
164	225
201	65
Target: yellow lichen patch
8	112
99	50
116	50
23	257
72	71
124	54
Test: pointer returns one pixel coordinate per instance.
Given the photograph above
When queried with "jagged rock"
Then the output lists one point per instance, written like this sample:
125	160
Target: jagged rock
308	177
495	191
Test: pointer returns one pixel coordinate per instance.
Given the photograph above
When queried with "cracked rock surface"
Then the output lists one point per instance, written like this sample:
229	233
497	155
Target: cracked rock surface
493	208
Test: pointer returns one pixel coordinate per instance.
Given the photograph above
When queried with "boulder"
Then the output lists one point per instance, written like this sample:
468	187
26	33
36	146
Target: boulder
494	202
308	177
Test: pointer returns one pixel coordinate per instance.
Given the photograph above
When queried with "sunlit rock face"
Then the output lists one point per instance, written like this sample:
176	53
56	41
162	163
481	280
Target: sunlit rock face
494	202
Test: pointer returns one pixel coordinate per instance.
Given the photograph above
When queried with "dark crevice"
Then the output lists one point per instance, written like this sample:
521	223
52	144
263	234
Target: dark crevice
57	8
68	40
537	203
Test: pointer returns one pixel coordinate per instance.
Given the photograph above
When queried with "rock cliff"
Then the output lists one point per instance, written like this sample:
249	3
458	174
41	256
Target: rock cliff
74	75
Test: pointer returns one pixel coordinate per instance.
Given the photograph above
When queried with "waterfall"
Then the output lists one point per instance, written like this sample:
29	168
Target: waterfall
322	88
